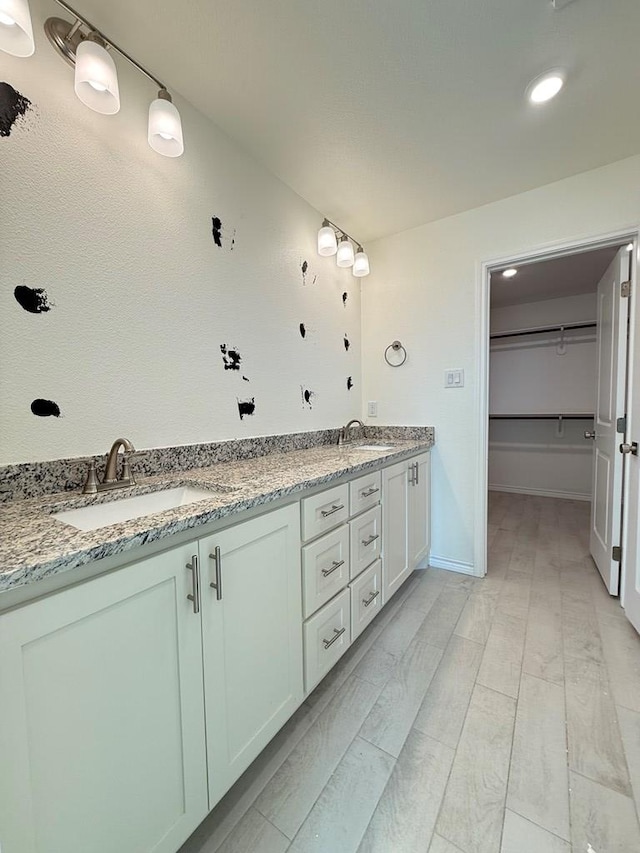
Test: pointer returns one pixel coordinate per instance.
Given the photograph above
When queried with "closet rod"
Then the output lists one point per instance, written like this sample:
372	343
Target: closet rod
574	416
543	329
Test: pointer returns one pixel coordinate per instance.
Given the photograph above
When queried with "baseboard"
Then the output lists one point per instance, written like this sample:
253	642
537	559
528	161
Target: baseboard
452	565
541	493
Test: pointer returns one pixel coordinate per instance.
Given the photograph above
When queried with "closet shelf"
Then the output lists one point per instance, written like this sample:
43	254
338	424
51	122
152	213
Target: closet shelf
540	329
545	416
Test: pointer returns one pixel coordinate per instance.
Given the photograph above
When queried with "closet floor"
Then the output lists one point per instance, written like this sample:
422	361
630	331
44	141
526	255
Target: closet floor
494	715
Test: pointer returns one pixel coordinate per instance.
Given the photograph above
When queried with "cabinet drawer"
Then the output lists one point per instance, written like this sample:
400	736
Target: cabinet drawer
325	568
366	598
327	636
364	492
324	511
366	539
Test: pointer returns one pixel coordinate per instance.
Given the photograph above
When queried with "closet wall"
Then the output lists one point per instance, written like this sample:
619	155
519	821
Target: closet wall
542	374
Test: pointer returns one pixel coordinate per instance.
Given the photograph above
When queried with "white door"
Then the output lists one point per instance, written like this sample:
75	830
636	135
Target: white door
606	505
252	639
102	737
419	510
631	549
395	528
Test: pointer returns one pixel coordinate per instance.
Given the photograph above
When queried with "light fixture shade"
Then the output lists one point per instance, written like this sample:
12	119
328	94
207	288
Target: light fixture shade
546	86
96	81
360	263
345	252
16	31
327	243
165	127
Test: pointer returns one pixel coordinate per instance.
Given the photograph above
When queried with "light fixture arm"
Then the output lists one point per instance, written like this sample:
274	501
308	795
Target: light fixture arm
341	231
94	31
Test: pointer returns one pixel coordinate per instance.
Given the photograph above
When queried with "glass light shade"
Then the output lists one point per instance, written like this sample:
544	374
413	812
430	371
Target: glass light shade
16	31
345	253
165	128
327	243
96	81
360	263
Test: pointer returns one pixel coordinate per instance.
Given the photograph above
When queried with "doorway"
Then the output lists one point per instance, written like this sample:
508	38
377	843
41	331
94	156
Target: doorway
548	331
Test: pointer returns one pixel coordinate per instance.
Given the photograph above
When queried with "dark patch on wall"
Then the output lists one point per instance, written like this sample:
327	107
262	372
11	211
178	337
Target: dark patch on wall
32	299
246	407
347	342
231	358
45	409
13	106
233	239
307	396
216	231
345	296
349	383
246	379
305	272
303	330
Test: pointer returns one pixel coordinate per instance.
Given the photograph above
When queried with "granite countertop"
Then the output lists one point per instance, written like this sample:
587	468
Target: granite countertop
34	546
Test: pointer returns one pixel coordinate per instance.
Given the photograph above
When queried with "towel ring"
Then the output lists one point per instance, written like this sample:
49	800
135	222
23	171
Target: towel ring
396	346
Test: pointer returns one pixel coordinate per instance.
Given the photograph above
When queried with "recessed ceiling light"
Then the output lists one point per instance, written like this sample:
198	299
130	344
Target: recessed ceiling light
545	87
509	273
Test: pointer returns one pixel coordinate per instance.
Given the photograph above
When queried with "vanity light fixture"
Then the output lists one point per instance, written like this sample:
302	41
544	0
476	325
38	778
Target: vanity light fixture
509	273
96	80
332	240
546	86
16	31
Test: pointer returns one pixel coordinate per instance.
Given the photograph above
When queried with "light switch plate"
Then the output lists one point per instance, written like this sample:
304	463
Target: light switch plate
372	409
454	377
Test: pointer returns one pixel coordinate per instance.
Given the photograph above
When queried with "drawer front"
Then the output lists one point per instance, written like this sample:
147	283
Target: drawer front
366	540
325	568
327	636
324	511
366	598
364	492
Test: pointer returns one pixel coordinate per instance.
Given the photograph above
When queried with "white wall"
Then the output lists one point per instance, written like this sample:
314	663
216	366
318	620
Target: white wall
121	240
424	290
528	374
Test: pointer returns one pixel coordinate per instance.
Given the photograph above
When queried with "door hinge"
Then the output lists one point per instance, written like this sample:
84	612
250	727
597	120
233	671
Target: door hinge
625	288
621	425
616	553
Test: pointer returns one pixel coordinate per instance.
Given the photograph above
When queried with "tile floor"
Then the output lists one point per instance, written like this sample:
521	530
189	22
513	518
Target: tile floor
499	715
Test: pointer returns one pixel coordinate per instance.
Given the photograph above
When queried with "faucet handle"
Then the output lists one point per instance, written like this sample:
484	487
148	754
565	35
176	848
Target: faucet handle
127	474
91	483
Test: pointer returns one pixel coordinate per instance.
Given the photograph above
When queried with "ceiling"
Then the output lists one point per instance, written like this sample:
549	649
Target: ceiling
553	279
385	115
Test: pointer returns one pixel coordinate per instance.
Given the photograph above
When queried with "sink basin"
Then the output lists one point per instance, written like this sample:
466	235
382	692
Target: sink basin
379	447
113	512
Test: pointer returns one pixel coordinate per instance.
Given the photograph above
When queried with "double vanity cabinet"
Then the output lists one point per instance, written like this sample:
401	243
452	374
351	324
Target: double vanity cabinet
130	703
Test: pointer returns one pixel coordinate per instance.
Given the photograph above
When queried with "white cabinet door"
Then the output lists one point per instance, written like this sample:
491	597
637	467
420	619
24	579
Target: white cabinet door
102	728
395	528
252	639
419	509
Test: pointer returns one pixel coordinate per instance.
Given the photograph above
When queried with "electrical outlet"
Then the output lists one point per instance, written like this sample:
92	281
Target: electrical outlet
372	409
454	377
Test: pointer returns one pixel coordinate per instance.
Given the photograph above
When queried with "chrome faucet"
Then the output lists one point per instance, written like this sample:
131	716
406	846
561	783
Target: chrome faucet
344	438
111	480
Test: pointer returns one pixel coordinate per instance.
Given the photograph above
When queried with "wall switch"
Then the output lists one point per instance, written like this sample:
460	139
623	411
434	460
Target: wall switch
454	378
372	409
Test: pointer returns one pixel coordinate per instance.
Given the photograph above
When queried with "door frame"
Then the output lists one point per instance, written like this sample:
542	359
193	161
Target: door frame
484	268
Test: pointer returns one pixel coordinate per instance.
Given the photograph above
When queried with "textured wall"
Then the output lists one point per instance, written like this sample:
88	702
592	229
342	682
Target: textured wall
141	296
422	290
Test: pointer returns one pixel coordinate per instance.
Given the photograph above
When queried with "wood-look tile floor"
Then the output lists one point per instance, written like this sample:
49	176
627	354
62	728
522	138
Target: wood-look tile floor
494	715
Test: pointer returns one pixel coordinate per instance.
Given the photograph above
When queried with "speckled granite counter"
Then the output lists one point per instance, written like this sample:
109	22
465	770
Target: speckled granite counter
34	546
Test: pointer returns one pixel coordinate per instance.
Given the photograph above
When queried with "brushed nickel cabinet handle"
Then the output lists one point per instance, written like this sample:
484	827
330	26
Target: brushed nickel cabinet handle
371	599
195	583
370	540
369	492
335	565
412	480
417	473
217	583
337	632
334	508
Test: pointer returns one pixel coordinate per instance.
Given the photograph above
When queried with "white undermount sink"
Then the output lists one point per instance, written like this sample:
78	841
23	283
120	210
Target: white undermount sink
116	511
382	448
